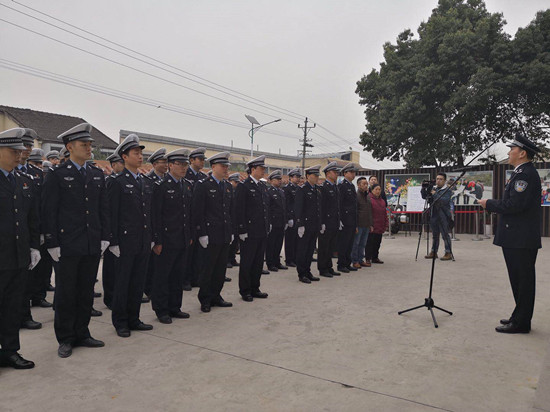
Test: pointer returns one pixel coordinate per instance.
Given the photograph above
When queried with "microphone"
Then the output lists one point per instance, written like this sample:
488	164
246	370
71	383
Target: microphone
464	169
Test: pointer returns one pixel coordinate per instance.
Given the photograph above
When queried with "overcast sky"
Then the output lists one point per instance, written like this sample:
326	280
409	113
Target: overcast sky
302	56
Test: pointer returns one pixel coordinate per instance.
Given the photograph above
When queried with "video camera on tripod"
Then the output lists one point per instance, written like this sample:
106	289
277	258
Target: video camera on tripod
428	186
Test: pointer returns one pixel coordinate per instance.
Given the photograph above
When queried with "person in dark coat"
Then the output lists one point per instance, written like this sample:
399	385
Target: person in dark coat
19	244
518	231
347	196
130	196
291	232
253	225
307	210
364	224
234	179
330	221
277	216
75	220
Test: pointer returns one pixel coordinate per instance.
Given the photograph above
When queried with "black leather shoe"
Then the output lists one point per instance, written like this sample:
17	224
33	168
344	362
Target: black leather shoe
227	279
273	268
343	269
312	278
141	326
123	332
282	267
165	319
43	303
260	295
352	269
90	343
205	308
16	361
180	315
50	288
222	304
65	350
97	294
235	263
291	264
229	265
325	274
512	328
265	272
303	279
248	298
333	273
505	321
187	286
31	324
145	299
96	312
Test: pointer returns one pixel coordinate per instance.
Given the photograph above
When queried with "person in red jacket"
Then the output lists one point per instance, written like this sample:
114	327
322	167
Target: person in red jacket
380	225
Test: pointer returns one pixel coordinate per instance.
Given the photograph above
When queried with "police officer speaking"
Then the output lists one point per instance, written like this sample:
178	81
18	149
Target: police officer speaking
518	231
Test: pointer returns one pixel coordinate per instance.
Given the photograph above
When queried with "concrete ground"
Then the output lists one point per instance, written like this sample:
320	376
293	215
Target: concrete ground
335	345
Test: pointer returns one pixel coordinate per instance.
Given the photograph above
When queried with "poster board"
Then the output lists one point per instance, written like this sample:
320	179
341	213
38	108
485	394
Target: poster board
473	185
544	182
415	203
397	188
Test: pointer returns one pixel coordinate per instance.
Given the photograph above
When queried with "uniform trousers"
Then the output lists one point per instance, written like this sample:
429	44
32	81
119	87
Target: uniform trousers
274	245
304	252
129	282
521	271
148	286
212	278
291	236
168	281
325	249
232	257
74	297
12	287
195	264
43	273
252	262
108	277
345	244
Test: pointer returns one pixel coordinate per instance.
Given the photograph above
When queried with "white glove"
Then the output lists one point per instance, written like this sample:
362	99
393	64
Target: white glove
104	245
152	245
243	236
323	227
232	238
41	240
115	250
291	223
270	227
35	258
341	225
203	240
55	253
286	227
301	231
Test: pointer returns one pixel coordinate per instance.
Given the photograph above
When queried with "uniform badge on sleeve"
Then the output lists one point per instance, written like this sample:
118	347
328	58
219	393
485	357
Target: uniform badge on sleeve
520	186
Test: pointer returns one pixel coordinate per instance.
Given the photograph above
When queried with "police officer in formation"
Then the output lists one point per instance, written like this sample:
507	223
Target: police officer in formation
307	210
194	252
253	225
172	235
77	231
278	220
130	196
160	167
53	157
291	232
109	269
518	231
212	220
234	179
347	197
20	241
330	221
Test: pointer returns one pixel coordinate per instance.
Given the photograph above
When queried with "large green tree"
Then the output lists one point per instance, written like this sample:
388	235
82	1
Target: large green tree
442	96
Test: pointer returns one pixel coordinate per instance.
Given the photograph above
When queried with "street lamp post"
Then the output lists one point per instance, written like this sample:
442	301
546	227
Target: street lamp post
253	121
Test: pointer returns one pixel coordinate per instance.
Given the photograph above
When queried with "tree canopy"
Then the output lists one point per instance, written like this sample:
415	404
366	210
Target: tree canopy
461	83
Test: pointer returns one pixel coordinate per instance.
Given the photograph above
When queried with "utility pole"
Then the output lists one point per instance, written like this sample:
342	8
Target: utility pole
305	143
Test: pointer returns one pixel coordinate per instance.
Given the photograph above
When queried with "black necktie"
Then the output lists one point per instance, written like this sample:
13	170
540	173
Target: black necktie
138	180
83	172
24	169
11	178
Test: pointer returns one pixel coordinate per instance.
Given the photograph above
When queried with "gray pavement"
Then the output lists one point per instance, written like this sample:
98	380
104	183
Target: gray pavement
335	345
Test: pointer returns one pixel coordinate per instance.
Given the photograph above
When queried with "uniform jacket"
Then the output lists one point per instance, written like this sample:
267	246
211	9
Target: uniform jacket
75	213
252	208
194	178
364	209
348	203
290	194
277	205
18	222
38	181
307	207
130	208
212	204
520	210
153	176
330	216
171	213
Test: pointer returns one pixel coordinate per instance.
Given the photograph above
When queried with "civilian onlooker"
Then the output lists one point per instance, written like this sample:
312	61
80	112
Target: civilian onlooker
373	180
379	225
364	224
